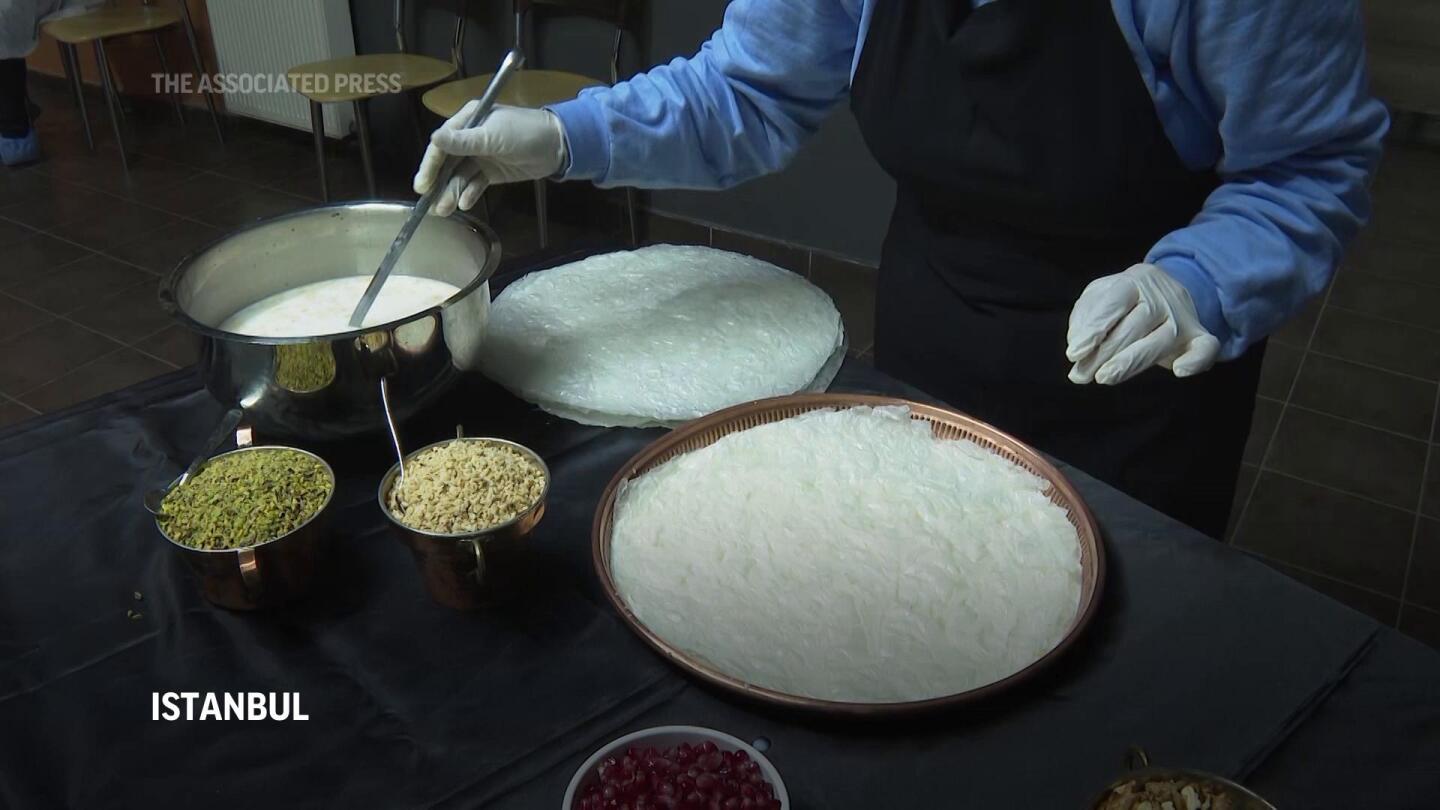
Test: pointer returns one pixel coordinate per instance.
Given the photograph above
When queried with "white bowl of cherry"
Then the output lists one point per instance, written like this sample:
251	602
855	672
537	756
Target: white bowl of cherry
677	768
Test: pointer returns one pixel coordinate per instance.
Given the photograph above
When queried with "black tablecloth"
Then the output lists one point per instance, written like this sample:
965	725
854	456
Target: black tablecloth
1199	654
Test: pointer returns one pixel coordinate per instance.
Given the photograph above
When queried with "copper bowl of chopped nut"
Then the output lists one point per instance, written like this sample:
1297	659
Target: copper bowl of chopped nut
1152	788
465	506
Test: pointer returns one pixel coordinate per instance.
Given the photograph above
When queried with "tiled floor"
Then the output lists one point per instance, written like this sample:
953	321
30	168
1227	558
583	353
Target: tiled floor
1341	487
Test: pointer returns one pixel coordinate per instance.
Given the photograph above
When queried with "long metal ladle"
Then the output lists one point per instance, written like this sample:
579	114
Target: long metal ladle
155	498
513	60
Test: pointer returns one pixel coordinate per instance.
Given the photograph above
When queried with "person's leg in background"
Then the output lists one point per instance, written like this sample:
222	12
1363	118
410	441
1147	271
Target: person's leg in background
18	142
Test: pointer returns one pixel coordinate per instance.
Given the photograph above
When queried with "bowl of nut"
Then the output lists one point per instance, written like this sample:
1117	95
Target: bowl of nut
465	506
1147	787
677	767
251	524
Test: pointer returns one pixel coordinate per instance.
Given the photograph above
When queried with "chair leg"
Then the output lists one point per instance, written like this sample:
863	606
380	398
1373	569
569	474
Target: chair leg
114	85
542	214
72	72
200	68
103	62
362	123
165	69
317	126
630	217
417	121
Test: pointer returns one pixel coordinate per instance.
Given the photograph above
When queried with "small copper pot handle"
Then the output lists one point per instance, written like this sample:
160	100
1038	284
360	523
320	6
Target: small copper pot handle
249	569
474	544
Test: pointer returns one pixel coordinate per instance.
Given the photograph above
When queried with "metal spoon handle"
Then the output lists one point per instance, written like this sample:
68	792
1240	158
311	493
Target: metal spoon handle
222	431
394	428
512	63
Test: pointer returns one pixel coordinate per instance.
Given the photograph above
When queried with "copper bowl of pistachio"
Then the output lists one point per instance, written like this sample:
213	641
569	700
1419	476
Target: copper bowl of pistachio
251	524
465	506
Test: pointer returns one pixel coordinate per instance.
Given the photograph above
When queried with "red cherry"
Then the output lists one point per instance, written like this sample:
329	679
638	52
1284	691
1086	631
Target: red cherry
685	776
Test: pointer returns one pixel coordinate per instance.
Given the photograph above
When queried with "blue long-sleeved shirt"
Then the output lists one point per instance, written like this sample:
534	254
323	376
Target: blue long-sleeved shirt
1271	94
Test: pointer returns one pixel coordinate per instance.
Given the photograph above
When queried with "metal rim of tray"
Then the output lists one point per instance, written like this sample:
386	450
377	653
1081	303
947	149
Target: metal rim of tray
947	424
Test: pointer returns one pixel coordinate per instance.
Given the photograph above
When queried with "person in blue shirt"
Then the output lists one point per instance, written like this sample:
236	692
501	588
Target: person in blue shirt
1103	206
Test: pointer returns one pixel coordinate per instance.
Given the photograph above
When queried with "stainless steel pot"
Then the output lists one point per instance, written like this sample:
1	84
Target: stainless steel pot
324	387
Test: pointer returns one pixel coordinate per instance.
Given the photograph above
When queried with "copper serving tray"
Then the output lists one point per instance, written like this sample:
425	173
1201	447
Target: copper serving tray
947	424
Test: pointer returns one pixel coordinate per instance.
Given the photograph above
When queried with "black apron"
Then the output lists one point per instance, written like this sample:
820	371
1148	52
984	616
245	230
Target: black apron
1029	161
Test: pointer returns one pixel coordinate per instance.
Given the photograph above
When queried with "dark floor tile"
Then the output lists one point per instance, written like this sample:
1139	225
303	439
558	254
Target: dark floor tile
17	317
1243	486
17	184
77	164
1297	330
12	233
160	250
281	163
1398	261
57	203
198	192
102	171
1341	536
121	368
127	316
146	176
248	207
1385	298
201	150
1377	398
1398	218
1421	624
1262	428
36	258
1423	586
13	413
46	353
345	180
173	344
80	283
1347	456
1381	608
1407	168
852	287
113	224
658	229
1277	374
1389	345
787	256
1430	504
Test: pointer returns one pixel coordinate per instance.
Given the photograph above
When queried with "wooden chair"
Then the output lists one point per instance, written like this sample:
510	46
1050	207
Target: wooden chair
112	21
413	70
535	88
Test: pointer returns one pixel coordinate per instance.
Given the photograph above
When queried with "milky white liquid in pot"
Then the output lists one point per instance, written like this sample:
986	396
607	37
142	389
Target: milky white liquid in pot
324	307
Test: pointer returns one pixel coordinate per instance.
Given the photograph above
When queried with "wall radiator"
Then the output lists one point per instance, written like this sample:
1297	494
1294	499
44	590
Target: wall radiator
268	37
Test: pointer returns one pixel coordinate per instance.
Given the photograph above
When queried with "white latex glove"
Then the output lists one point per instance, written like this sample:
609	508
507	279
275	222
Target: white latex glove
1128	322
510	145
